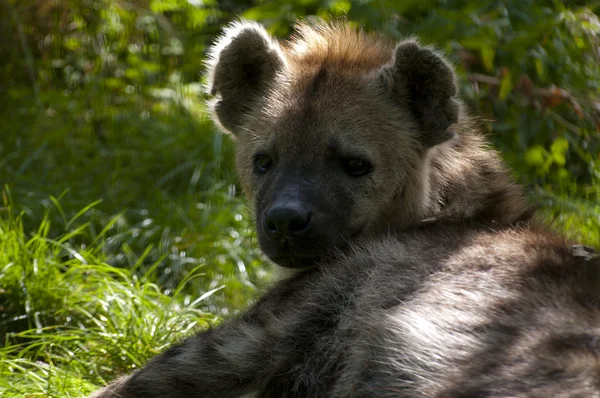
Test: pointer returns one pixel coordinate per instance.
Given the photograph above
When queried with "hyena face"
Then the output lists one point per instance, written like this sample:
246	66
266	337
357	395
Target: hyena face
332	132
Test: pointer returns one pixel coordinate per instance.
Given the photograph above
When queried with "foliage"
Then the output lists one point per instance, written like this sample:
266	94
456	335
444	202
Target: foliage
123	204
110	117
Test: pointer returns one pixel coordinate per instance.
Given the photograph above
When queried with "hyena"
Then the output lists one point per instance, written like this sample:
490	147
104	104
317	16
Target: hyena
418	268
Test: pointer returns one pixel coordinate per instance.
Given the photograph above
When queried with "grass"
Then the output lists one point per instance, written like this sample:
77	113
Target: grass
90	289
70	321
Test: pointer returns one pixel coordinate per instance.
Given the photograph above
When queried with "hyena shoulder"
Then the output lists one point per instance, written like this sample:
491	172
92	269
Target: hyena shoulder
480	312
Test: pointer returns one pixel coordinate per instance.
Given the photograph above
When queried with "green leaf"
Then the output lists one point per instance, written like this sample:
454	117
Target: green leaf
340	7
535	155
540	68
161	6
559	159
487	56
558	149
560	145
506	86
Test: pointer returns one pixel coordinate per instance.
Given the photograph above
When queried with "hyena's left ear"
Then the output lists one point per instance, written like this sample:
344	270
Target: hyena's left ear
241	67
427	83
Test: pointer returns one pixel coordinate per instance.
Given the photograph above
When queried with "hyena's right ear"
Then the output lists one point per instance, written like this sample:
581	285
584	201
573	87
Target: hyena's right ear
427	82
241	67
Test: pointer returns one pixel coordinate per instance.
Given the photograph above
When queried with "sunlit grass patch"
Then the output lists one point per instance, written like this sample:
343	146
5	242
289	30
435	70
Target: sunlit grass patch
22	377
71	322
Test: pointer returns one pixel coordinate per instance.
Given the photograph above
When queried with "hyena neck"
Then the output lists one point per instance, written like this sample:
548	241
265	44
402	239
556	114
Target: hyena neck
466	181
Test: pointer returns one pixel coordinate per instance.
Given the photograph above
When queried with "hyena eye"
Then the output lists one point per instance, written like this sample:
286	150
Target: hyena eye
356	167
262	163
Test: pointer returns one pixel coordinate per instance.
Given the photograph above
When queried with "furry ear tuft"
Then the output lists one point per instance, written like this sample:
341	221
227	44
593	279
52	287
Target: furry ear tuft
241	66
429	83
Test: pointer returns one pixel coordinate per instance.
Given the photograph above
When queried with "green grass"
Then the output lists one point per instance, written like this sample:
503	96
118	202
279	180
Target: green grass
92	288
70	322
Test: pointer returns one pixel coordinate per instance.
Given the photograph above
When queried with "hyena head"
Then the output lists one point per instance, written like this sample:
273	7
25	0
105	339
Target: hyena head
332	129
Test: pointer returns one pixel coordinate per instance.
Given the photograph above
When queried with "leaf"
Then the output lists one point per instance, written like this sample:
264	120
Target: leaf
72	43
113	82
506	84
340	7
540	69
162	6
486	46
535	155
559	158
560	145
559	149
487	56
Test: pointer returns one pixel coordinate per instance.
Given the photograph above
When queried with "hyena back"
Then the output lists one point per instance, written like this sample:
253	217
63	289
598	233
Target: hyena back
418	269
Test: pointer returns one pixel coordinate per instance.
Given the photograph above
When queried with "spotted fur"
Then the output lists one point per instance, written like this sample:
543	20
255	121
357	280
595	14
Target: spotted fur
446	286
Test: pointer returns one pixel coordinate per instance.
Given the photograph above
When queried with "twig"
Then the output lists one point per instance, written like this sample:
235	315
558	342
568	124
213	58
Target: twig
551	96
529	89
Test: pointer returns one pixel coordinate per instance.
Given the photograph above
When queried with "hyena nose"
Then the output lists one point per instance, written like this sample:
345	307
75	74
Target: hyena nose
287	221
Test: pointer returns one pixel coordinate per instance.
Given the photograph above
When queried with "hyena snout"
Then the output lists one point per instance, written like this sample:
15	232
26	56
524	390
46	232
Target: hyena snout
288	220
295	231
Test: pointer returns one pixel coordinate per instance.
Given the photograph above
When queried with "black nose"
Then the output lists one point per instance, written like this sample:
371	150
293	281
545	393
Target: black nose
287	221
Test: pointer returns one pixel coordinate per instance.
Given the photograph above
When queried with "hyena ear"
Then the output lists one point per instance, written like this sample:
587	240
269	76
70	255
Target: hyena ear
241	66
426	81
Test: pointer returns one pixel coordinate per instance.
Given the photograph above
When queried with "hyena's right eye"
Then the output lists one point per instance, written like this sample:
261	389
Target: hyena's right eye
262	163
356	167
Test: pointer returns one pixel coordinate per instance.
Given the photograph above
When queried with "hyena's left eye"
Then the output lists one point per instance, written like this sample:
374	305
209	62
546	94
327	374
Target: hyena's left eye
356	167
262	163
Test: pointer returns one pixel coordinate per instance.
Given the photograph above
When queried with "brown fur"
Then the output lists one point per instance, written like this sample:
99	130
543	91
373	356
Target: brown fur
394	104
422	276
338	48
